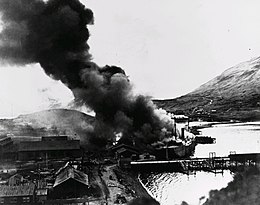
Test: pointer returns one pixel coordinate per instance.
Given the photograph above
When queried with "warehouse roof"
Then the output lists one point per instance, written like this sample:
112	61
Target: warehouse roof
49	145
71	173
22	190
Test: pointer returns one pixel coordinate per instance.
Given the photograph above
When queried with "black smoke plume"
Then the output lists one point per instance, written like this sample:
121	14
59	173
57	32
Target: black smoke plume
54	34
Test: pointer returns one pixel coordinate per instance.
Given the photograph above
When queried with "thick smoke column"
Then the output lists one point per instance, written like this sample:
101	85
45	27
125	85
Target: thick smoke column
54	34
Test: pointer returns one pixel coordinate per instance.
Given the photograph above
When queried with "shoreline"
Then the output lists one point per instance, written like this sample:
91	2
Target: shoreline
204	124
122	186
147	190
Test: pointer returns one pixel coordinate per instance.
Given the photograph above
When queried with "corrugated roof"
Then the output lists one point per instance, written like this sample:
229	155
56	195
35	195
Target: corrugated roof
54	138
71	173
21	190
49	145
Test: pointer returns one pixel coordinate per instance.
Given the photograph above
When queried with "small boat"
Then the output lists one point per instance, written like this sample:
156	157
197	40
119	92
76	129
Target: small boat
205	139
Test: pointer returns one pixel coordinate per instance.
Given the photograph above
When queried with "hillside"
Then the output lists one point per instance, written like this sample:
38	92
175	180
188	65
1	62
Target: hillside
48	122
233	95
243	189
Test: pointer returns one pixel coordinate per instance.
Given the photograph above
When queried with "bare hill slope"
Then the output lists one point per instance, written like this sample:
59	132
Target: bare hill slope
233	95
48	122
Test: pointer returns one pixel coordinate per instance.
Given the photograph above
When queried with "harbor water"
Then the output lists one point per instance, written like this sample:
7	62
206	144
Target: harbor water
174	188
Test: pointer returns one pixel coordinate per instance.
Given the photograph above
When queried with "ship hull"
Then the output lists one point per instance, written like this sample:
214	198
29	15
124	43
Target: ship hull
175	152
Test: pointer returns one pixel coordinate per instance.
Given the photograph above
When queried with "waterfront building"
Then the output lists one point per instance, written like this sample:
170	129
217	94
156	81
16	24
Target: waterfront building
51	147
55	138
6	147
181	119
123	151
5	141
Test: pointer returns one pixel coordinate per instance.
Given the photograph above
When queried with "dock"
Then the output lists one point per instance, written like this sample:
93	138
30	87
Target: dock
211	164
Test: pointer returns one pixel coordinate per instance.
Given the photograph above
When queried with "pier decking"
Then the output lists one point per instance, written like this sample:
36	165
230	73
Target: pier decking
211	164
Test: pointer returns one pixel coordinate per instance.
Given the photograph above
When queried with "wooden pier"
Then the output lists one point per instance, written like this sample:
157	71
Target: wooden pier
210	164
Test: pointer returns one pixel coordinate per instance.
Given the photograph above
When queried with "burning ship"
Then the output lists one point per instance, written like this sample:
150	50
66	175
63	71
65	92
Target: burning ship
175	149
180	145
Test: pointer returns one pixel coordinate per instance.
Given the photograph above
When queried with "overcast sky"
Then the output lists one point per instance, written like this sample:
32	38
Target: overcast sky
168	48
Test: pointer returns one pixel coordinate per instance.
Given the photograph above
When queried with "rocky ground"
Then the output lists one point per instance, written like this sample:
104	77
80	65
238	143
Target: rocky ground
232	95
120	187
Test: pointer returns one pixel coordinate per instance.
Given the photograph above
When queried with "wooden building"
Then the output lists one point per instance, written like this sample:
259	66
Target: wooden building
49	148
41	192
247	157
7	148
15	180
55	138
70	183
5	141
22	194
123	151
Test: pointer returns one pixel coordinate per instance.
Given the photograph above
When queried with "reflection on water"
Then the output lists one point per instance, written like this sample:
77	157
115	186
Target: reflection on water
239	137
173	188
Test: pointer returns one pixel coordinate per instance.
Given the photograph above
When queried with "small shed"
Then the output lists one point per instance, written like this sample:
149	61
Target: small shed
16	179
123	151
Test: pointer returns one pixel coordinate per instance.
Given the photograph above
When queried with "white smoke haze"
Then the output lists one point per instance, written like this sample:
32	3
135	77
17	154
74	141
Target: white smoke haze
25	90
165	117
